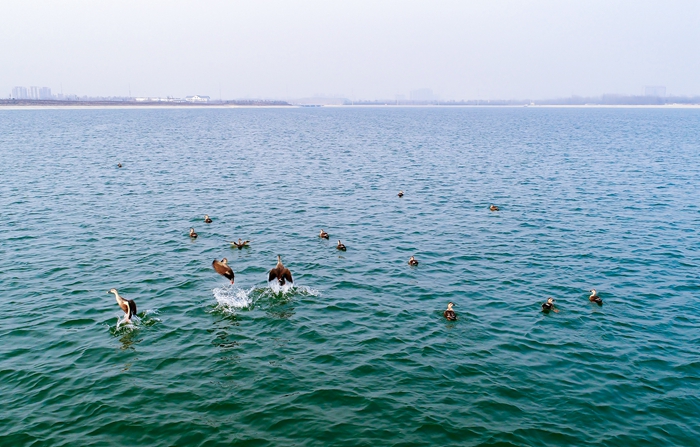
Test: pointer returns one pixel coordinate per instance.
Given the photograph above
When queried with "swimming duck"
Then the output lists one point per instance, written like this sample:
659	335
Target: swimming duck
340	246
549	305
594	298
240	244
494	208
280	272
323	234
128	306
223	269
119	165
400	194
412	261
449	313
207	219
193	235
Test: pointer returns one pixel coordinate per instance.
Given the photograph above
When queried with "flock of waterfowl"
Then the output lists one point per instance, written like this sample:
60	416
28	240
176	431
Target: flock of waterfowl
283	276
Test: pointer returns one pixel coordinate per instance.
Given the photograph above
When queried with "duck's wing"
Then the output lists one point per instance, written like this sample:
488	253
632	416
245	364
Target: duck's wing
132	307
287	275
229	273
273	274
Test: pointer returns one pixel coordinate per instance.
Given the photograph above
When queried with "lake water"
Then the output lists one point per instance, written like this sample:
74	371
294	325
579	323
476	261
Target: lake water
358	352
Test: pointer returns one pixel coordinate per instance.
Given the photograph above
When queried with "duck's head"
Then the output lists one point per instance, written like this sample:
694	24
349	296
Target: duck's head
550	300
191	230
114	291
224	261
206	216
413	258
449	305
592	291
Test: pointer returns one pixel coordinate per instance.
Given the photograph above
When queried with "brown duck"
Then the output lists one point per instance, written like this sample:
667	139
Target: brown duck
223	269
128	306
240	244
280	272
449	313
594	298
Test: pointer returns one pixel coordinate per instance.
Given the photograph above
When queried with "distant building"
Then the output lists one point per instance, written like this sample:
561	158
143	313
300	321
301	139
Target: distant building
33	92
654	90
45	93
20	93
422	94
197	98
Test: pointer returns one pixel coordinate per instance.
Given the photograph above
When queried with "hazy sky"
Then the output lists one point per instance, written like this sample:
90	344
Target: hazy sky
358	49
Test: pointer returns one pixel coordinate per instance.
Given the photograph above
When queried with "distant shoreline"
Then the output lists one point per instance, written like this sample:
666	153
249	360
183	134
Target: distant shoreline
103	105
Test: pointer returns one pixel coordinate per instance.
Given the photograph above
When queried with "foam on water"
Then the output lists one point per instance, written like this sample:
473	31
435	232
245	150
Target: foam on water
231	298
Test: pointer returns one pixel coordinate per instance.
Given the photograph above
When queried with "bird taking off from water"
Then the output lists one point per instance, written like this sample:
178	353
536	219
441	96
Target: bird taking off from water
207	219
223	269
449	313
281	273
240	244
594	298
323	234
128	306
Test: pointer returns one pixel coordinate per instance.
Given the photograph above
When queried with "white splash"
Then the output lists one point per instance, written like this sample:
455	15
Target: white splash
231	297
292	289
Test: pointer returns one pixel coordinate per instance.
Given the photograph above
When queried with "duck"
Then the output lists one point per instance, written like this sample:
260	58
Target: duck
594	298
494	208
207	219
449	313
549	305
128	306
119	165
193	235
280	272
340	246
323	234
223	269
412	261
400	194
240	244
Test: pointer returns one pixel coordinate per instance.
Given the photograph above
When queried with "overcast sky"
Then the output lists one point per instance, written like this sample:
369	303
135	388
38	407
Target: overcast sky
461	49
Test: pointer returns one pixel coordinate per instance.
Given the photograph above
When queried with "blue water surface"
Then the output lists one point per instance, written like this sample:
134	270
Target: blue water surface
358	352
